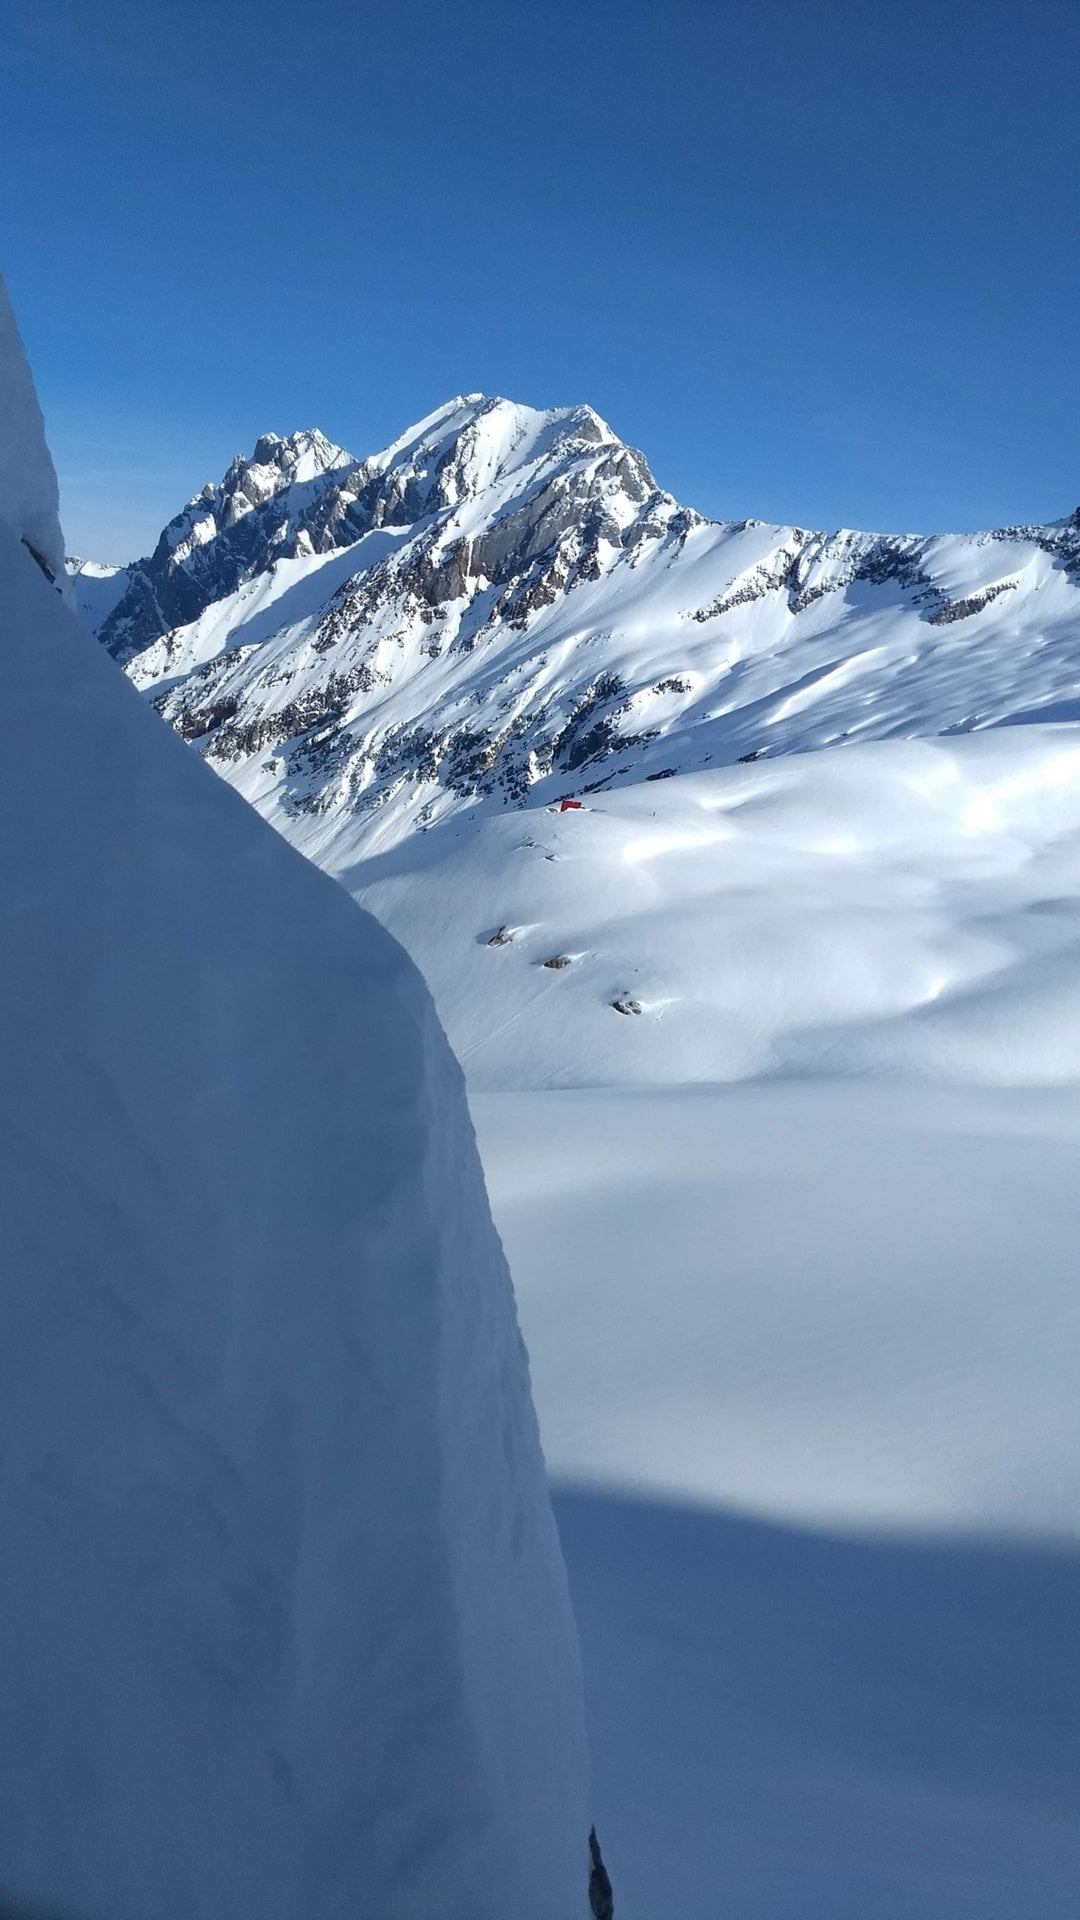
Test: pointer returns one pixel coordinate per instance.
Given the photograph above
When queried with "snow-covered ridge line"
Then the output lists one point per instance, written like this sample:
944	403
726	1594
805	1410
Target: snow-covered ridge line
503	603
302	495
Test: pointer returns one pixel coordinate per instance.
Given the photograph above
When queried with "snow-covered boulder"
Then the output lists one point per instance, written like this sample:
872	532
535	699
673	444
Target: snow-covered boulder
284	1630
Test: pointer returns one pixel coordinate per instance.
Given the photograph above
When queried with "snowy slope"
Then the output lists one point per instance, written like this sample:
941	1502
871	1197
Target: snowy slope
795	1253
97	588
502	606
284	1621
909	906
754	990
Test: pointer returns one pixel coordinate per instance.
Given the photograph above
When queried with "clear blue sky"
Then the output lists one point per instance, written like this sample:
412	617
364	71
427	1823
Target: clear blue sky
818	258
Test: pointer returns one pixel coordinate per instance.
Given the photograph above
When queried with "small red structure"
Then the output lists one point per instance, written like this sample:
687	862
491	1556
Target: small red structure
569	806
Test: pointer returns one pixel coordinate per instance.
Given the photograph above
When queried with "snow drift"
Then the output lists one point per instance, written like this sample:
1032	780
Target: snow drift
284	1621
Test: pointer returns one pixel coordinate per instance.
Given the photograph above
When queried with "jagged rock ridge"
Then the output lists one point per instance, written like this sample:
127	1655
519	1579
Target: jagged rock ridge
504	600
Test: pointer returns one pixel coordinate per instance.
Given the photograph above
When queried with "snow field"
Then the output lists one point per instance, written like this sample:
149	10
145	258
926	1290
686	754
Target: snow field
795	1255
908	906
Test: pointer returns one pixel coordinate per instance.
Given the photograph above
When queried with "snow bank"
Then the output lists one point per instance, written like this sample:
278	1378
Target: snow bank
284	1617
29	497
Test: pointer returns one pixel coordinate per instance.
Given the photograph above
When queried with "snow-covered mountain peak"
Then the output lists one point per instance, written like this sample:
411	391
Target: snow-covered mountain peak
298	456
503	597
474	463
476	441
274	464
289	498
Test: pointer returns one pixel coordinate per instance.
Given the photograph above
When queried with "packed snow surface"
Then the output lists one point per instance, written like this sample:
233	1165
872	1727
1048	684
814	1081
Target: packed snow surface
284	1620
795	1247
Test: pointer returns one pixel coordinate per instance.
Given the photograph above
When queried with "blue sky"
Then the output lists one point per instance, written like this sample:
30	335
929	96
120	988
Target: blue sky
818	260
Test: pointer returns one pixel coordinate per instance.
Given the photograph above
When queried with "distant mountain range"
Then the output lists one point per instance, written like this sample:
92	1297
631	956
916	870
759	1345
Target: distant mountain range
503	605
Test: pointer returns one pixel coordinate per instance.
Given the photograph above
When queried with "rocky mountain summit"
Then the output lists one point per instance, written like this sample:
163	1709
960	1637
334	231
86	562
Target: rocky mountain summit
279	502
503	603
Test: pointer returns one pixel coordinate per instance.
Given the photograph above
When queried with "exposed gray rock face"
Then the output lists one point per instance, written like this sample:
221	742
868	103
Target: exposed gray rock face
293	496
503	605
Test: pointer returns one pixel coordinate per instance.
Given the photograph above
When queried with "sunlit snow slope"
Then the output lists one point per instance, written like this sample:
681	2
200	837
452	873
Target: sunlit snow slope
283	1621
827	957
910	906
795	1248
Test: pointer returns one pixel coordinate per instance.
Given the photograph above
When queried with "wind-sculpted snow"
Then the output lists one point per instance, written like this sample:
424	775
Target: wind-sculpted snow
283	1617
795	1244
503	606
29	498
907	906
794	1241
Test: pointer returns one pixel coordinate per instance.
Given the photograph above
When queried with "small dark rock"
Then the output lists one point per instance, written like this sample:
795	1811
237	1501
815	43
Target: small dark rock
558	960
502	938
42	562
626	1005
601	1897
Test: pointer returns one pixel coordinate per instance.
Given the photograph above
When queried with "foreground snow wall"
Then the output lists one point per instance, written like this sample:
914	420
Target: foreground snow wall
29	497
283	1621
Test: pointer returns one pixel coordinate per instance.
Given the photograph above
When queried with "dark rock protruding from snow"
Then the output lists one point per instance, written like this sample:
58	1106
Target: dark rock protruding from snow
29	496
601	1896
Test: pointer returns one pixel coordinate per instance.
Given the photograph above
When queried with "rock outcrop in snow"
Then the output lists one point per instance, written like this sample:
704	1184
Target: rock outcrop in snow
284	1624
503	604
290	498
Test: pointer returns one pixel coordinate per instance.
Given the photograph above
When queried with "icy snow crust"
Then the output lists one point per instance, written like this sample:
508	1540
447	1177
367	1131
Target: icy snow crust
284	1620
